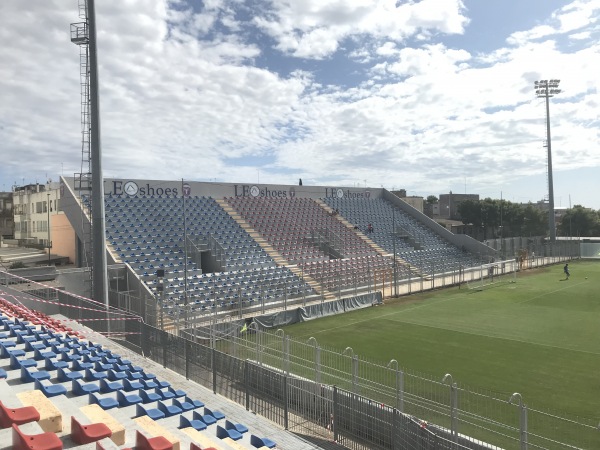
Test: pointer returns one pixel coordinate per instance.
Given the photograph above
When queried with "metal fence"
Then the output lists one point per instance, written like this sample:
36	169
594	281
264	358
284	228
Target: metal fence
316	410
326	393
329	395
465	416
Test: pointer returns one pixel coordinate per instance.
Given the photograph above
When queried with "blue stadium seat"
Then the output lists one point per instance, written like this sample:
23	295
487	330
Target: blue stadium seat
169	410
128	399
153	413
92	375
50	390
129	385
53	364
104	402
258	442
64	375
114	375
184	422
109	386
240	428
223	433
218	415
16	363
29	375
184	405
207	419
79	388
148	397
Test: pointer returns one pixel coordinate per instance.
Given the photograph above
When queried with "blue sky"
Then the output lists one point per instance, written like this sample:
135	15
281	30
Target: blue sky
431	96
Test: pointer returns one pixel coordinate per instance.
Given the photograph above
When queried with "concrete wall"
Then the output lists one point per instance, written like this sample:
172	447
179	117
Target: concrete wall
62	236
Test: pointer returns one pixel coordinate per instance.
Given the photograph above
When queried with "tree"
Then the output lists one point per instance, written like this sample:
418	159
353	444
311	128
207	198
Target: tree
431	199
535	221
470	212
580	221
502	218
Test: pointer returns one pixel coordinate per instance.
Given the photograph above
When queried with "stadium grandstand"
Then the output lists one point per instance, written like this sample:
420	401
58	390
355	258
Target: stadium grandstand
207	249
196	272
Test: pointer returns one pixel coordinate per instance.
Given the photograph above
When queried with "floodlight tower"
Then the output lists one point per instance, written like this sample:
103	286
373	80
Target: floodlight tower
546	89
91	178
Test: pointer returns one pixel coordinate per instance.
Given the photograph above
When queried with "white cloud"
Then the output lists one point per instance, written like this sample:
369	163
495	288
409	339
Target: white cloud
183	96
315	28
572	17
580	36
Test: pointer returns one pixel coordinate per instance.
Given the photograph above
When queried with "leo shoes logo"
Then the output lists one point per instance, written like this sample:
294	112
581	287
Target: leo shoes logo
255	191
341	193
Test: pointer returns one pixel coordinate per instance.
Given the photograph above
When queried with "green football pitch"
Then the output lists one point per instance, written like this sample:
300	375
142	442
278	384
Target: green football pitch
539	336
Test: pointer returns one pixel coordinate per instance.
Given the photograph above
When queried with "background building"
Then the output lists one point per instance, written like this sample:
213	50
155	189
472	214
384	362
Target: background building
448	204
6	215
39	221
413	200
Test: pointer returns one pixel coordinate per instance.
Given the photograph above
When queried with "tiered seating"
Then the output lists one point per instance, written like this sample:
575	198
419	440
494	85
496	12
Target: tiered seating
433	253
148	233
227	289
349	273
87	373
290	226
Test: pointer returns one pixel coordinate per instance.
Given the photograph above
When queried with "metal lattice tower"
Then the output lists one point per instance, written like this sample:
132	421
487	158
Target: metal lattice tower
83	179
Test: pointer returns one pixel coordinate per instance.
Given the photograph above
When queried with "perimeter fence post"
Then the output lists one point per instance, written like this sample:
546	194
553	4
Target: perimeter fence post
522	419
399	374
395	429
317	358
453	407
285	402
355	374
246	384
287	354
213	358
164	347
335	414
187	358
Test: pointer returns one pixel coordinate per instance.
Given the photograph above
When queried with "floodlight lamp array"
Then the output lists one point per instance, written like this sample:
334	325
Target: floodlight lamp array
547	88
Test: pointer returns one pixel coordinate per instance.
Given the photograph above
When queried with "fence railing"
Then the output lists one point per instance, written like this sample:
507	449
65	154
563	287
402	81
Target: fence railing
464	415
328	393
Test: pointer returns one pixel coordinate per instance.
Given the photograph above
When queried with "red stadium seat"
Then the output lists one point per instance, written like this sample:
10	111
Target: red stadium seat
18	416
42	441
86	434
197	447
155	443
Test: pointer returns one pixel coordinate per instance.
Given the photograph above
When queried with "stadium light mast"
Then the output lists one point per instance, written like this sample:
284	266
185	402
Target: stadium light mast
84	35
546	89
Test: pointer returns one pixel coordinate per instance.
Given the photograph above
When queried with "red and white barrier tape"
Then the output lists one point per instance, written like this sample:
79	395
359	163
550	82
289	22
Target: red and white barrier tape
104	310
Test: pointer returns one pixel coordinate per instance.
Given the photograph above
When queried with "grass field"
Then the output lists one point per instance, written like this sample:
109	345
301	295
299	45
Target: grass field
539	336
